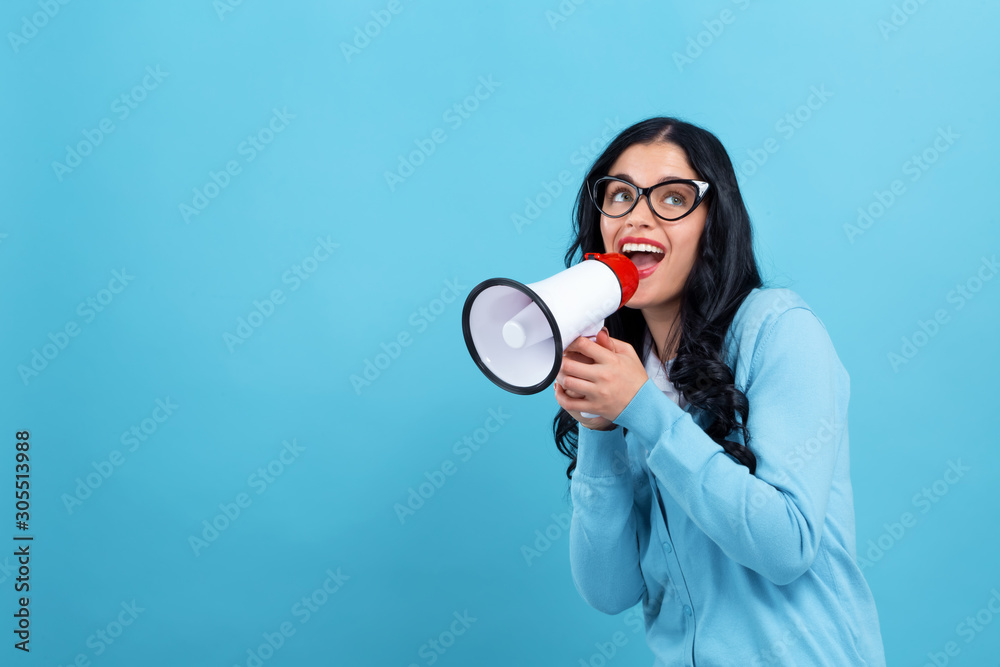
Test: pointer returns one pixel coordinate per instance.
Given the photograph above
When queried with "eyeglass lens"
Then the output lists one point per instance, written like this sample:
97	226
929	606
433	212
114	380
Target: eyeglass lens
670	200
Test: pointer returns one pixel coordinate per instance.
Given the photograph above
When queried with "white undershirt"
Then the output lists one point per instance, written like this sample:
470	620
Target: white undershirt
656	372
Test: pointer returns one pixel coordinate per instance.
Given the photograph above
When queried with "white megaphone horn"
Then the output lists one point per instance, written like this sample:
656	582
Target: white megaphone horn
517	333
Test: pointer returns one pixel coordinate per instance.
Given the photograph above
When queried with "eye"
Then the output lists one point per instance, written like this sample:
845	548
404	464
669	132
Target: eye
619	193
674	199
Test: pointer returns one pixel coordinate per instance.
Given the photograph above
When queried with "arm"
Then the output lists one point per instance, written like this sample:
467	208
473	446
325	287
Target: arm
798	392
603	548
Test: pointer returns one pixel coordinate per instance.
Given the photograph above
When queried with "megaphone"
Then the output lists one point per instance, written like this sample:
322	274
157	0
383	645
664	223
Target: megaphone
517	333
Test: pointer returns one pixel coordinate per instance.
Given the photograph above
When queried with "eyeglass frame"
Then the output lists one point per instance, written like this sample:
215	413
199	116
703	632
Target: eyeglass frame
702	187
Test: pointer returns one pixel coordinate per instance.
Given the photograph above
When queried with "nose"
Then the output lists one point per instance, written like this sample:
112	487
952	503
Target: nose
641	214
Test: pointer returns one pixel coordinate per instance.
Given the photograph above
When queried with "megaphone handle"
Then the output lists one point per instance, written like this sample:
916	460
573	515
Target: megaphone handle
594	329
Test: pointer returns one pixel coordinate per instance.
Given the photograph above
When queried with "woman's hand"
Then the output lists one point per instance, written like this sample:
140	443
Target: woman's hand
600	378
594	423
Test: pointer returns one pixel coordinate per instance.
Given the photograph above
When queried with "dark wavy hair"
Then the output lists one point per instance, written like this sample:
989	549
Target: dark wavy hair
723	274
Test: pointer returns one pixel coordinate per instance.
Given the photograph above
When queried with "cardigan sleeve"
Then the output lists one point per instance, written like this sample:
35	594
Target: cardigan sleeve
798	391
603	543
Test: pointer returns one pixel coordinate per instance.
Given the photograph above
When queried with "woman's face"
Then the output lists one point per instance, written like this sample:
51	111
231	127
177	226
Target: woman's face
646	165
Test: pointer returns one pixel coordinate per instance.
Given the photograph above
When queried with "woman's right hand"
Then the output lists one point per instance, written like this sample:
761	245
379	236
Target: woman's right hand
596	423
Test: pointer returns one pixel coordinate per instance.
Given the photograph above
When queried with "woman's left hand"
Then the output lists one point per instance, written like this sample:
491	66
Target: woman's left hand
605	386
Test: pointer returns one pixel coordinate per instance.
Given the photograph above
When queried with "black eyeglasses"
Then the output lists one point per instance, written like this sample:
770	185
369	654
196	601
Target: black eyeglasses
669	200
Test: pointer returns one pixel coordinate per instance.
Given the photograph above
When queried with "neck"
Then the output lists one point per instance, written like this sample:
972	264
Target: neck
659	320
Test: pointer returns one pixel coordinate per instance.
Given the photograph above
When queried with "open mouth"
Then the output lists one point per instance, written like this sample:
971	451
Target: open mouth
645	256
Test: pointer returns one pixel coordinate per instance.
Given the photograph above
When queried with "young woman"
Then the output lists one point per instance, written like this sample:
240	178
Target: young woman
714	486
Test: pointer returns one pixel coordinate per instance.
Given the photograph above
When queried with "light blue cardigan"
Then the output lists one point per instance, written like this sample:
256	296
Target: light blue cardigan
744	570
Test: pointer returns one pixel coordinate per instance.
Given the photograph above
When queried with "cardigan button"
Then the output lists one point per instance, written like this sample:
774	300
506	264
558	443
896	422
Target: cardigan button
687	611
667	547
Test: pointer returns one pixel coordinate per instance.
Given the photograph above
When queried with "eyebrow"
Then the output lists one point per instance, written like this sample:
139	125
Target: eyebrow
628	178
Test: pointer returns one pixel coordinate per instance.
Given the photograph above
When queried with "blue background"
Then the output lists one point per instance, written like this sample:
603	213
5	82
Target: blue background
561	75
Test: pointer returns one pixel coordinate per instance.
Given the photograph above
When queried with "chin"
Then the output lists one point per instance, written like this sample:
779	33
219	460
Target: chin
646	300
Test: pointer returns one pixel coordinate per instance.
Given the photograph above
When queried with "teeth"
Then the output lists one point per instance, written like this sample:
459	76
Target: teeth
640	247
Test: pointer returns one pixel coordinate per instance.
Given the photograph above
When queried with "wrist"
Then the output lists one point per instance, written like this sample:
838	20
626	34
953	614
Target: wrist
601	454
610	427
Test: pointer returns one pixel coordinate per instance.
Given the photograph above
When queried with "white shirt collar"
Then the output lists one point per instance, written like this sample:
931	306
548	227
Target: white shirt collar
657	373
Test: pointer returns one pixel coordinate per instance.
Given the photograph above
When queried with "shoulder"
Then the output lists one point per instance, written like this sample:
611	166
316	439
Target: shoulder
761	309
765	311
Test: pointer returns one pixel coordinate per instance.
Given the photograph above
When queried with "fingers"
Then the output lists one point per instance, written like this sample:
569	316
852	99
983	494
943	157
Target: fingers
571	405
581	388
589	348
605	340
576	356
589	372
561	380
